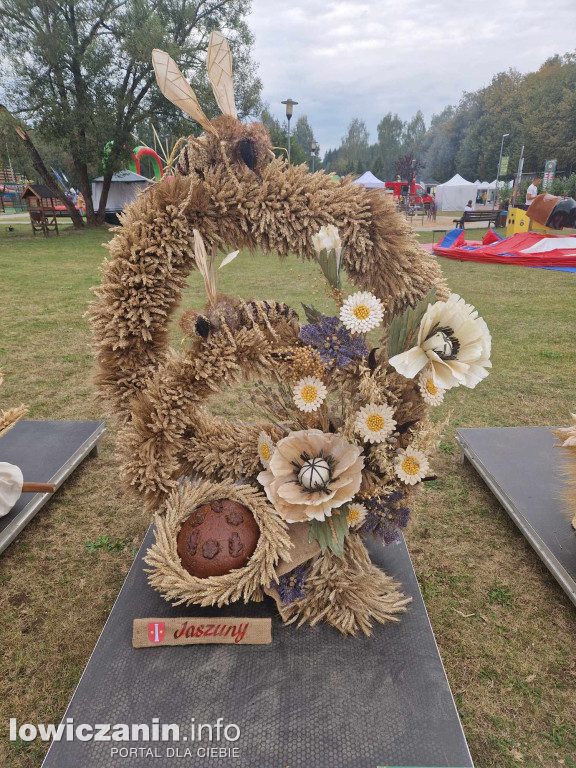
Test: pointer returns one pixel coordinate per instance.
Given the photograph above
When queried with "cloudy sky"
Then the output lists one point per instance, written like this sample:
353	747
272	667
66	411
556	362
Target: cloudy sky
363	58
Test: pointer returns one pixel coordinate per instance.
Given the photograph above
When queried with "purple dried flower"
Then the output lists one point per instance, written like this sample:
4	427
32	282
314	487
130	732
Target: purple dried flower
385	516
335	344
291	584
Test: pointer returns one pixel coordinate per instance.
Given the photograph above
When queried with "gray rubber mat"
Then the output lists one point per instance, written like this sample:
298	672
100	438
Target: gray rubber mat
523	468
46	452
312	699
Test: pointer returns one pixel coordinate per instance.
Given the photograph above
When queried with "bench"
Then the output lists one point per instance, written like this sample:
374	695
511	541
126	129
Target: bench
416	214
490	216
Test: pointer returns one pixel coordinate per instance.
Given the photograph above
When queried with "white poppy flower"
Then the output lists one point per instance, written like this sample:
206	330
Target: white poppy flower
361	312
297	482
454	341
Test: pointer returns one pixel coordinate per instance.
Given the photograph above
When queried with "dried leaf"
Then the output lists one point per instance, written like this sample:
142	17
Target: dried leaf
403	327
229	258
204	267
313	315
330	264
323	532
372	361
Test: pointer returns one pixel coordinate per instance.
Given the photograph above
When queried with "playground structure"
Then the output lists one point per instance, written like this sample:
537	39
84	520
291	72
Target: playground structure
141	152
518	221
42	207
137	155
11	189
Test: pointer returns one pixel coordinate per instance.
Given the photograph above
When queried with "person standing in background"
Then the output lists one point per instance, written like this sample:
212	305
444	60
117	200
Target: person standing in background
532	190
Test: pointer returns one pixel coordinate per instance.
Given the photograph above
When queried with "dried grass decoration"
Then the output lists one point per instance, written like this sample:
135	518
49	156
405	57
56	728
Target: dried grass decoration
169	577
345	440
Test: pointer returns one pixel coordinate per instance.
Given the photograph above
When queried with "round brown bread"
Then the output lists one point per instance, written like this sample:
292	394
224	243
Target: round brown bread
217	538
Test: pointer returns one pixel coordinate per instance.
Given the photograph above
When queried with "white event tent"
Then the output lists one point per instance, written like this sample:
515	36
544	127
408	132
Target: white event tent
370	181
488	187
455	193
123	190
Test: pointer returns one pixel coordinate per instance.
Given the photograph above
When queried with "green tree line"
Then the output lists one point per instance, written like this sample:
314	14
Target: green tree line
537	109
397	141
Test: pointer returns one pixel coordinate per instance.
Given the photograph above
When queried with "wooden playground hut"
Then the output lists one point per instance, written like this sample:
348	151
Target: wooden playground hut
42	207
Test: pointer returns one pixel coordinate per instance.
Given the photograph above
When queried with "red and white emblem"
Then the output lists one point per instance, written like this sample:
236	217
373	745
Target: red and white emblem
156	632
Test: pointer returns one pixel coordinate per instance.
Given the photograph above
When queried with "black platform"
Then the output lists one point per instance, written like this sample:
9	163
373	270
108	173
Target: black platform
523	469
312	699
46	452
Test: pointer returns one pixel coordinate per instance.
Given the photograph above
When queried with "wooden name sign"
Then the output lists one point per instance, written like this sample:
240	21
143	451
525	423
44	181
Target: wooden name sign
148	633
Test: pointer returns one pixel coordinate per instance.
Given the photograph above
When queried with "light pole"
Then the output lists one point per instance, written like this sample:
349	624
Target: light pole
504	135
289	109
314	147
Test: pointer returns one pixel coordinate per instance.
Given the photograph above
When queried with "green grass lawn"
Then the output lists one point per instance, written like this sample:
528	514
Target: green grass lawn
504	628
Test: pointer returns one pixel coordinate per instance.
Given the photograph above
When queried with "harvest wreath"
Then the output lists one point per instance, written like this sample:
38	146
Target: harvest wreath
281	506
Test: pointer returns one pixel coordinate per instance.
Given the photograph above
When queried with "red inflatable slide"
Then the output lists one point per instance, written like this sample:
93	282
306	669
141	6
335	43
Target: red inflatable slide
526	249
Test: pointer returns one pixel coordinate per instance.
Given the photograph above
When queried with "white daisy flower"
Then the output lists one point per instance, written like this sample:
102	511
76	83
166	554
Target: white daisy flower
375	422
361	312
411	466
265	449
430	391
356	514
309	394
454	341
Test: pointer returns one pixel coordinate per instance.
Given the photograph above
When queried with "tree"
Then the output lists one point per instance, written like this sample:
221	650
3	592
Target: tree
413	134
354	150
390	131
330	161
279	136
304	134
439	146
406	166
14	154
537	110
86	81
378	168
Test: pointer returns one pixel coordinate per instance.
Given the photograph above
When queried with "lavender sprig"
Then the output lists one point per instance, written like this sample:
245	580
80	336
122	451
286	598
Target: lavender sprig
336	346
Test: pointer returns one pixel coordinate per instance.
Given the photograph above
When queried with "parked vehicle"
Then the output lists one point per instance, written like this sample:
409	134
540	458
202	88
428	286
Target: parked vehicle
410	192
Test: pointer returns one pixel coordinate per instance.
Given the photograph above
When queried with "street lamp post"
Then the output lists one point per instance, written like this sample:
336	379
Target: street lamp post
314	153
504	135
289	109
